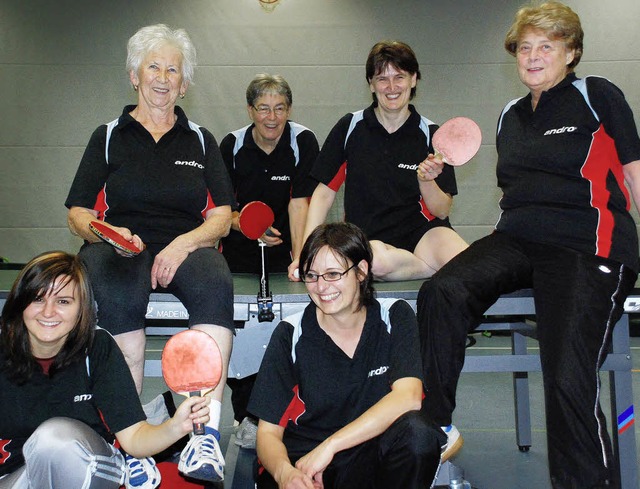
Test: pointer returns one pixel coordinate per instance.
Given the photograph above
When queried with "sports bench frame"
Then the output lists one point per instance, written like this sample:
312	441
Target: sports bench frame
512	313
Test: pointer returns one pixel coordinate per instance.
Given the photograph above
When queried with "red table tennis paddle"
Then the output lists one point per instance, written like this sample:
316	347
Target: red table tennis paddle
192	363
115	239
255	219
457	140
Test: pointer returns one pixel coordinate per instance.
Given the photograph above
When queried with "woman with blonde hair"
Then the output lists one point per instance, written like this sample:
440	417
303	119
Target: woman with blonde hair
565	152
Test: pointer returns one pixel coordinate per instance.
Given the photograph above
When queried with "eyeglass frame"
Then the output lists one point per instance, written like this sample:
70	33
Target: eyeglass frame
265	110
318	275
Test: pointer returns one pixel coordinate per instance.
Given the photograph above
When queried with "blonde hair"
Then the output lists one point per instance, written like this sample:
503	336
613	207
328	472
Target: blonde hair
556	20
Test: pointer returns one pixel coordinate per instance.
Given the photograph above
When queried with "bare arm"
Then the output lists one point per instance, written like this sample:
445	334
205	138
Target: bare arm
167	262
437	201
298	210
143	439
632	178
273	456
321	202
405	396
78	219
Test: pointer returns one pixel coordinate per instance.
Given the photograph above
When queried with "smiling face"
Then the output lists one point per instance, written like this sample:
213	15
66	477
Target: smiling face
542	62
339	298
392	88
269	114
51	317
159	79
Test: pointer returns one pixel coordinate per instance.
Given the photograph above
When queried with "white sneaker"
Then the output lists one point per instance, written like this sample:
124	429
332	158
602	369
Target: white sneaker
454	442
246	432
202	459
141	473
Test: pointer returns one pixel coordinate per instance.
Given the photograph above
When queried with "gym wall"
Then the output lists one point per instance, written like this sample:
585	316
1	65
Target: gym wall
62	74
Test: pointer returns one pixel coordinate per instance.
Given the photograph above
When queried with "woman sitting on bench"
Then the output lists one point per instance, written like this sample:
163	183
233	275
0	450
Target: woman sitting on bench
339	390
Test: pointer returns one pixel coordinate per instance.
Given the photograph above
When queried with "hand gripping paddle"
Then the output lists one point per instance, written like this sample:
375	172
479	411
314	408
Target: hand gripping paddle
115	239
192	363
255	220
457	140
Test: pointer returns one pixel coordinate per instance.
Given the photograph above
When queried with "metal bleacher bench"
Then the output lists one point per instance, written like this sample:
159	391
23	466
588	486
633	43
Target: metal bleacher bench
512	314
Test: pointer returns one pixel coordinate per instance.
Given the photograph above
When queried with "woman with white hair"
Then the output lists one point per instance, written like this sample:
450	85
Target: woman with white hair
158	180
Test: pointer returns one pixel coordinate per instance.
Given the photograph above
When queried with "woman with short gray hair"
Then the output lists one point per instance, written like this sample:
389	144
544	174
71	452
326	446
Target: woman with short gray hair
158	180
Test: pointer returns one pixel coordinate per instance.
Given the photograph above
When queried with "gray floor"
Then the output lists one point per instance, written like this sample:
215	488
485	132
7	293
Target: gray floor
490	457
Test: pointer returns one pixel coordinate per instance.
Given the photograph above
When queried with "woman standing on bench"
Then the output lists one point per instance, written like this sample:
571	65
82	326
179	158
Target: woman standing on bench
339	390
67	393
158	179
565	151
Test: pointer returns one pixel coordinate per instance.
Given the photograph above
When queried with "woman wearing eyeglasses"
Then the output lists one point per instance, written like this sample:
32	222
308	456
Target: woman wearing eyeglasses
269	160
339	390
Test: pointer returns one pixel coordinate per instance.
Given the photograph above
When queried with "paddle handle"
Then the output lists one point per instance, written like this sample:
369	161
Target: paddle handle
198	428
441	156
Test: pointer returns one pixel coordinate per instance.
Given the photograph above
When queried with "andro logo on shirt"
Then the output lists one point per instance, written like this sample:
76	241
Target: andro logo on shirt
280	178
405	166
560	130
82	397
190	163
378	371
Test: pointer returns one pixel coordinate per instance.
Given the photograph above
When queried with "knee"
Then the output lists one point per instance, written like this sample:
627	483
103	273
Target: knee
443	283
421	436
56	437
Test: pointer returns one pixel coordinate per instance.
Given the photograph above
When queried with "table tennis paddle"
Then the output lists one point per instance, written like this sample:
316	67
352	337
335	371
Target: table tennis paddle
115	239
457	140
192	363
255	219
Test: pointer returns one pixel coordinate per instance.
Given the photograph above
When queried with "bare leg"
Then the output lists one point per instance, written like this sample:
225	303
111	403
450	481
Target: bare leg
437	247
132	345
224	338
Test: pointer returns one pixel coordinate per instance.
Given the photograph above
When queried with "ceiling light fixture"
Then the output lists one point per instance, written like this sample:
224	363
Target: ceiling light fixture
268	5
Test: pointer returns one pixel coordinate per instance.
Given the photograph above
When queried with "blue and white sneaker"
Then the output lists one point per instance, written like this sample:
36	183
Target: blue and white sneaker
202	458
454	442
141	473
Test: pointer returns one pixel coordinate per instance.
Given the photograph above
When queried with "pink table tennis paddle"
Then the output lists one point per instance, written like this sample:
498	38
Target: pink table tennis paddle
115	239
457	140
192	363
255	219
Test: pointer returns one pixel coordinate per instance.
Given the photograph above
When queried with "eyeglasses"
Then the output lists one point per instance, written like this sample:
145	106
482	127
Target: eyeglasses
310	277
265	110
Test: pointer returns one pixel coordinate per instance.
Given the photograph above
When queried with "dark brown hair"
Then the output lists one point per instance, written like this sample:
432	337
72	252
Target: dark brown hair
394	53
36	280
347	242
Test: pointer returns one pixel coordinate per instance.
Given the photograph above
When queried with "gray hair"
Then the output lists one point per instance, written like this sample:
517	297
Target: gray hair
152	37
264	83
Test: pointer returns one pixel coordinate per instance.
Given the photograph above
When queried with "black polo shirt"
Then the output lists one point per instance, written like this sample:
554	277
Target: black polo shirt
99	392
381	187
310	387
274	179
157	190
560	168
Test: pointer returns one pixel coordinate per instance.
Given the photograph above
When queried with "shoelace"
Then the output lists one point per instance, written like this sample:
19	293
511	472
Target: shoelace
136	469
205	449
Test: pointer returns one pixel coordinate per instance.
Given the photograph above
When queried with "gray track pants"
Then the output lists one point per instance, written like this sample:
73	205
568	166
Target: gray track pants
66	454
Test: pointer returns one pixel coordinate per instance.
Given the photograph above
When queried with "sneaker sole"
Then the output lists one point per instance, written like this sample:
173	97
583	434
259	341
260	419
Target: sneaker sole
453	450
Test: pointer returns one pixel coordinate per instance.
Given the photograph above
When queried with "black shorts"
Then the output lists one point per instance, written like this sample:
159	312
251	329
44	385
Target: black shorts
122	286
407	238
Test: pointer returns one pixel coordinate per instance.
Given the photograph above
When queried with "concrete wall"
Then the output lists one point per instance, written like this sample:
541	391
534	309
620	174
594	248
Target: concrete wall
62	74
